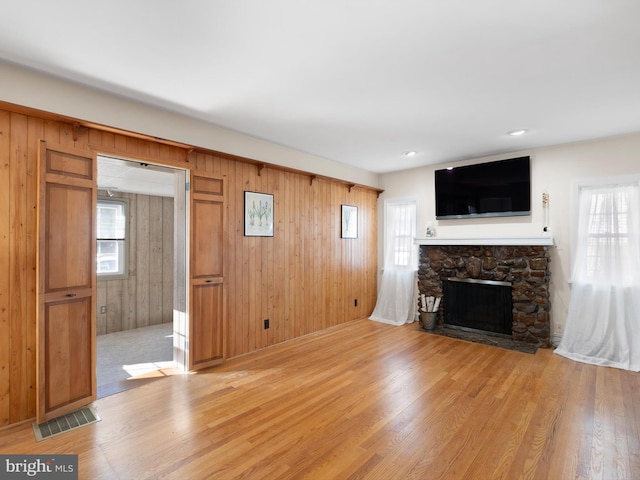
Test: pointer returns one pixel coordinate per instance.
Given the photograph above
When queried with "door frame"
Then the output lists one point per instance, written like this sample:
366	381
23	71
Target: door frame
181	225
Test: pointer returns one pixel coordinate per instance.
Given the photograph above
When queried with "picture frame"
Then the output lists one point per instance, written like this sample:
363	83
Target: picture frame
258	214
349	221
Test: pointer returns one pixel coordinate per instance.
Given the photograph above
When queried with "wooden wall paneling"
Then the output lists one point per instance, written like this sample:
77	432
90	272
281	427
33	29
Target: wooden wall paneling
67	135
307	226
290	255
282	315
155	260
6	288
19	370
245	273
52	131
145	148
167	259
120	143
274	311
254	276
129	296
142	260
234	260
306	280
325	272
337	198
34	134
300	214
350	198
131	145
334	243
267	286
315	255
276	296
101	300
115	305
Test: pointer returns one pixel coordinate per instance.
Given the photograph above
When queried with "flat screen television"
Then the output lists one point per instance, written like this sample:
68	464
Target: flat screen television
493	189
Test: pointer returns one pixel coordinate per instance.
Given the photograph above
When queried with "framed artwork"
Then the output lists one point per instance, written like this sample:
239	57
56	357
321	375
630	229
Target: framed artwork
349	221
258	214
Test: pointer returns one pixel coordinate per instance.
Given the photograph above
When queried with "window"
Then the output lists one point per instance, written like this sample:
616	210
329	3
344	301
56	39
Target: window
608	226
112	238
400	231
606	219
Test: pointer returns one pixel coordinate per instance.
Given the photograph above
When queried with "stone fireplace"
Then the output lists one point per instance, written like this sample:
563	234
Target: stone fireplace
522	262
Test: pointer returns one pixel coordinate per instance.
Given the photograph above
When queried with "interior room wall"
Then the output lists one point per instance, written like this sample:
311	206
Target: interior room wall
145	296
553	170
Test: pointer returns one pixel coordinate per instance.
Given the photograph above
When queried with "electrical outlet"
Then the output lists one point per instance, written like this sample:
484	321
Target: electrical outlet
355	302
266	323
103	309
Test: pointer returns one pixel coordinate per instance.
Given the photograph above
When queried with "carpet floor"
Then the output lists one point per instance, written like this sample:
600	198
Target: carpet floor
123	357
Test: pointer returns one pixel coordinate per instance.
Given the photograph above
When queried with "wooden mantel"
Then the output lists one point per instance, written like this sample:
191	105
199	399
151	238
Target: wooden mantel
530	241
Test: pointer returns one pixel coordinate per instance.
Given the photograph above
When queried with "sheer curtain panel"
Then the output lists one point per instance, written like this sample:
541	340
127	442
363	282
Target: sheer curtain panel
397	297
603	322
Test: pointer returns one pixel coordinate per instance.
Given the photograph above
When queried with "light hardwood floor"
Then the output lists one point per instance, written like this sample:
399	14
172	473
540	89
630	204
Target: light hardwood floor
366	400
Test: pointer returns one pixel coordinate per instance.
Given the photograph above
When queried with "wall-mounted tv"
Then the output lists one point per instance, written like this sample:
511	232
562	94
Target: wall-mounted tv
492	189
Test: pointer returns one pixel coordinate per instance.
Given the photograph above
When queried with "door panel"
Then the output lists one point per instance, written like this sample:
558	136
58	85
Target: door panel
66	335
207	344
207	299
67	323
66	263
207	228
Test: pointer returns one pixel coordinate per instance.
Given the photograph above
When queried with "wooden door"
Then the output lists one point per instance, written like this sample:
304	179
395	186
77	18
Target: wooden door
66	334
207	312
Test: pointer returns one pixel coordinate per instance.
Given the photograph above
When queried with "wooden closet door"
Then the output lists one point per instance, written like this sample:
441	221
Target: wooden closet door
207	330
66	335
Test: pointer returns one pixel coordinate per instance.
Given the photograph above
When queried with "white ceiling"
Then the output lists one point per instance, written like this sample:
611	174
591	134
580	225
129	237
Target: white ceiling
118	175
356	81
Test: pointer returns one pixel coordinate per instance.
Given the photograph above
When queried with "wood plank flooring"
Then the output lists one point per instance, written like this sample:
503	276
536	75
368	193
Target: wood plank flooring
366	400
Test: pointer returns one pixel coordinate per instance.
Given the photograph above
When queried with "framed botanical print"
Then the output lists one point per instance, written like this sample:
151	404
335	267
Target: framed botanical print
349	221
258	214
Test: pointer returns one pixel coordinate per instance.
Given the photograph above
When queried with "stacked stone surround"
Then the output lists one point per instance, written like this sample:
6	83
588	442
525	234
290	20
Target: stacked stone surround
526	267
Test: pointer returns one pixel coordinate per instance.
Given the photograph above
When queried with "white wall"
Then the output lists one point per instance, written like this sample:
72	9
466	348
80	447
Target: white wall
553	170
50	94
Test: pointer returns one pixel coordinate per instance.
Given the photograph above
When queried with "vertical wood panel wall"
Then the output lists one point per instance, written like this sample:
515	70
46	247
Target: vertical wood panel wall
146	296
304	279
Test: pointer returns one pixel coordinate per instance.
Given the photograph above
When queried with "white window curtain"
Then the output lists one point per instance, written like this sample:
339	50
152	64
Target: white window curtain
397	297
603	322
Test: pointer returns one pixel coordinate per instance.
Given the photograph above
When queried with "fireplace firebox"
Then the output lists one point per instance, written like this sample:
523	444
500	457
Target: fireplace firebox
483	305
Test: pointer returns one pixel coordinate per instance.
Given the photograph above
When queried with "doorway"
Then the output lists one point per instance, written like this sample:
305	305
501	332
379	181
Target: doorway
141	248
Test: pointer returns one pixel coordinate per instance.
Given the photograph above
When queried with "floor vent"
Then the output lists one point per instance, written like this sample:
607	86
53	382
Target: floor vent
65	423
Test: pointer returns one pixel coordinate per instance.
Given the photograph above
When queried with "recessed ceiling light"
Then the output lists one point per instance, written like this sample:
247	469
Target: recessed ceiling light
410	153
517	133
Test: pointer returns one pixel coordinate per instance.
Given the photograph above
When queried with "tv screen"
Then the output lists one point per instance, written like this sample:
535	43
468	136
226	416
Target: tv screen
492	189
